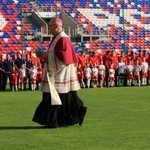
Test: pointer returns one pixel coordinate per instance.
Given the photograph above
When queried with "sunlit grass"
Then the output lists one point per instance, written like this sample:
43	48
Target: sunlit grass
117	119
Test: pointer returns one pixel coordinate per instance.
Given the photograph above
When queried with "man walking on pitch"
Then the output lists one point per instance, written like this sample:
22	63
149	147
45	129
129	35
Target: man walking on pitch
60	105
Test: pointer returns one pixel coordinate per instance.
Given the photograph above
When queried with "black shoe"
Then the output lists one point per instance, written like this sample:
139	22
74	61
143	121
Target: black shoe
81	119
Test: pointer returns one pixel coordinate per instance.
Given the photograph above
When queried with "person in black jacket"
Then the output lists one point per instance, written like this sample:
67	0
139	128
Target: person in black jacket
29	65
8	65
2	73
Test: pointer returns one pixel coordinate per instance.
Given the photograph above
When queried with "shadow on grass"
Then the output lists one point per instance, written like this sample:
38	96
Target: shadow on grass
20	127
30	127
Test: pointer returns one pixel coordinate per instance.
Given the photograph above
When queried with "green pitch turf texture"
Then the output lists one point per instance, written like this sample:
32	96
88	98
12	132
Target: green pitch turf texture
117	119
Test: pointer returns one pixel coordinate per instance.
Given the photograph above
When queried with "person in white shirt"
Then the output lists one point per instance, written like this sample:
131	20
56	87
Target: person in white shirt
22	77
129	73
121	72
144	71
111	77
137	69
101	73
33	76
87	72
94	76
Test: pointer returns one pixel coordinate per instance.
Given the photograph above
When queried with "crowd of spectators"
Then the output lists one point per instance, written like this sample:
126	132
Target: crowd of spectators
94	69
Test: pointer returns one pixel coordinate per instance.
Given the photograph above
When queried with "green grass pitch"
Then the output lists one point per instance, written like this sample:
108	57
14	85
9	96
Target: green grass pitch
117	119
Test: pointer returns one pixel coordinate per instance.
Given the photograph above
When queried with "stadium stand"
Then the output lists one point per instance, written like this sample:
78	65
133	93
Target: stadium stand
121	25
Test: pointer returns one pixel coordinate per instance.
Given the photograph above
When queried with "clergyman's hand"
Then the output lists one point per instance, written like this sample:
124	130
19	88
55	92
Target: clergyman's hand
50	73
38	53
41	54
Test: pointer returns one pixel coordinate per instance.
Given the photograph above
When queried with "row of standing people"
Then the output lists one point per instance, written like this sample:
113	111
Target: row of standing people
127	73
19	72
85	76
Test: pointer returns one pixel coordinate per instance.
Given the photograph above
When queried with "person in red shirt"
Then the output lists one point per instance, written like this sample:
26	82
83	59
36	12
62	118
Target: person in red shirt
146	55
80	74
129	74
40	71
99	55
123	57
139	57
93	59
114	61
106	59
14	79
106	62
130	57
148	74
82	59
148	59
33	58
